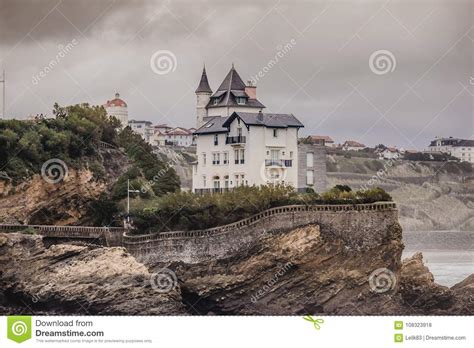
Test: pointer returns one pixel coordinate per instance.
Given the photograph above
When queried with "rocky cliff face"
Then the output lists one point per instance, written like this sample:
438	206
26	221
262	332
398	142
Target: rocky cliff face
72	279
289	273
430	195
37	201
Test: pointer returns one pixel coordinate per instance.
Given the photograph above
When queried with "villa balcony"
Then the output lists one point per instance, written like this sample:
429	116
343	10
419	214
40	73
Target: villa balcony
278	163
239	139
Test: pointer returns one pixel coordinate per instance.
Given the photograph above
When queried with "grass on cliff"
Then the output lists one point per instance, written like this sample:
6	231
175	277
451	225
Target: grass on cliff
188	211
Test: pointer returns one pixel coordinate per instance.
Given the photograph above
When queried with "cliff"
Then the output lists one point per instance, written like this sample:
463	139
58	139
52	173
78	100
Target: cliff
74	279
37	201
430	195
293	272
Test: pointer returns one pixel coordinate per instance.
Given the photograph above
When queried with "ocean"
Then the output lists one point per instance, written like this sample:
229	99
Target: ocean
448	254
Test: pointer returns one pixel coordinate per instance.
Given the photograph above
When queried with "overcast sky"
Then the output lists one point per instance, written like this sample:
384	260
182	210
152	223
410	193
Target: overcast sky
324	77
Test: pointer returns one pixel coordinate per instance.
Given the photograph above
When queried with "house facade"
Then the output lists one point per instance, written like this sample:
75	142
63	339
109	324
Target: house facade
144	128
246	149
352	145
463	149
179	137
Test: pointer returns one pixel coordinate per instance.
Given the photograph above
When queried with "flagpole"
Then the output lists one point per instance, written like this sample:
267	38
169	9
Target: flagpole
3	101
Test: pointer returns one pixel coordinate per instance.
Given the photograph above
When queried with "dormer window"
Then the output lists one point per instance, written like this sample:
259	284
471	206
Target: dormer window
241	100
215	101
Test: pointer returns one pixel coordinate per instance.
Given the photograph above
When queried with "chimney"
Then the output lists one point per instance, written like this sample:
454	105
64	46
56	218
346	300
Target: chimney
251	90
260	117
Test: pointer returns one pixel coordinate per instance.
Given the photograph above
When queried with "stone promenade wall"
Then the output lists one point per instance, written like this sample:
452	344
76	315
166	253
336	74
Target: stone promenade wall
360	226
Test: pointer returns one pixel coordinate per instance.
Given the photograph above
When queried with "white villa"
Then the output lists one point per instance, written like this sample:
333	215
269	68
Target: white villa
237	143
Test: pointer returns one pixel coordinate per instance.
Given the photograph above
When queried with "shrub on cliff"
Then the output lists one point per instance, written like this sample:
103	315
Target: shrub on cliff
149	174
188	211
71	136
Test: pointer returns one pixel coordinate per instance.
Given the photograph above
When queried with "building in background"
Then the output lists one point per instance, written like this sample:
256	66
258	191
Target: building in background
233	95
463	149
117	108
144	128
324	140
312	167
389	153
351	145
179	137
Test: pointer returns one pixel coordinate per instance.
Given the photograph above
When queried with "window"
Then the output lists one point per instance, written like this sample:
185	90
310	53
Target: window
309	177
204	181
275	155
204	158
239	132
217	183
309	159
240	100
236	156
216	139
242	156
242	177
215	101
226	181
226	158
216	158
236	180
291	154
275	133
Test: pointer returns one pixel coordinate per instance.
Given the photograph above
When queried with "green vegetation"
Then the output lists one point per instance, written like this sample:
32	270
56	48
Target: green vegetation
72	136
187	211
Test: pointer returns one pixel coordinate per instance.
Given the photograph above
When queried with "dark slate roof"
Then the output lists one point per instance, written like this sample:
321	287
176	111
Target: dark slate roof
221	124
232	86
214	125
265	119
204	83
232	81
467	143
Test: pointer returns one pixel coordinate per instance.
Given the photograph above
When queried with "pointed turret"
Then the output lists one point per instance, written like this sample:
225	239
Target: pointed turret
203	95
204	83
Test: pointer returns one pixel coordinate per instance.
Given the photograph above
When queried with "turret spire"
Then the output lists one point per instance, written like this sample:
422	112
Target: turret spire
204	83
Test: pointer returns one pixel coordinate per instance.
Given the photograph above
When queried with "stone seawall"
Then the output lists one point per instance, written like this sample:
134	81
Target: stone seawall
361	226
109	236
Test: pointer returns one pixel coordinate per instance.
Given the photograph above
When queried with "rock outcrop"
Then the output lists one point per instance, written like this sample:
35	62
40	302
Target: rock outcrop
74	279
286	273
297	272
37	201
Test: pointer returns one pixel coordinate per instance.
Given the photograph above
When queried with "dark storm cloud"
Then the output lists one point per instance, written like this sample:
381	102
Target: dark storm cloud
324	79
